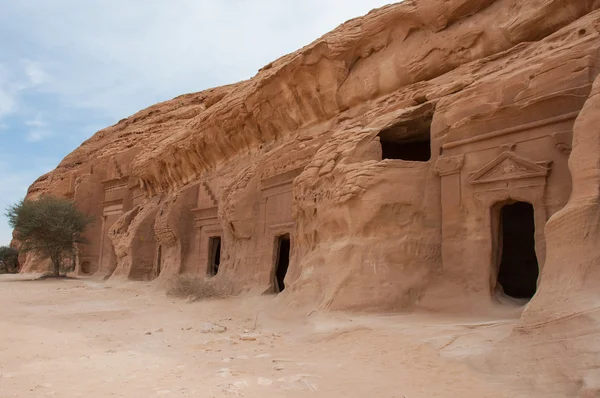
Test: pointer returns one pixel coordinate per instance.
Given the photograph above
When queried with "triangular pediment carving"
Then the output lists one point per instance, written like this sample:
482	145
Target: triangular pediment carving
509	166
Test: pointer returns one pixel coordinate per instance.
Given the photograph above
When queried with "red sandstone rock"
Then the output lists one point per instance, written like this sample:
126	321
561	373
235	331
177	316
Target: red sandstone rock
381	158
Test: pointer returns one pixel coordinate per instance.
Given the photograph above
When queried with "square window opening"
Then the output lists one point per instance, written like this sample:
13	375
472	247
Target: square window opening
408	140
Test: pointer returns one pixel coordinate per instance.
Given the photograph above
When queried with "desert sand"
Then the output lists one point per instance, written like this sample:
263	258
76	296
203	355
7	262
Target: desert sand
76	338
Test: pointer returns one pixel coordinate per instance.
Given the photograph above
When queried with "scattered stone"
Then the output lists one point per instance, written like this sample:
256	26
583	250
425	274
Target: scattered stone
224	372
264	382
298	383
213	328
233	388
262	356
148	333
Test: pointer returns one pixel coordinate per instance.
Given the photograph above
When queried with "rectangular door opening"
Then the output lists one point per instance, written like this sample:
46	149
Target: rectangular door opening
282	262
214	255
518	270
408	140
158	260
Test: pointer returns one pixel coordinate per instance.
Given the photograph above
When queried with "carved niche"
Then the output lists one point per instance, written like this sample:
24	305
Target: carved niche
207	206
206	224
276	182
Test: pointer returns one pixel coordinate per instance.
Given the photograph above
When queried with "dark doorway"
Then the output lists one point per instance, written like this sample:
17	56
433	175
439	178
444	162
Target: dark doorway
282	261
408	140
416	151
158	260
518	271
214	255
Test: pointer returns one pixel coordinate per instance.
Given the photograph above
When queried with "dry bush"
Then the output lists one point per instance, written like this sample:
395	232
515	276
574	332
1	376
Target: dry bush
9	260
198	288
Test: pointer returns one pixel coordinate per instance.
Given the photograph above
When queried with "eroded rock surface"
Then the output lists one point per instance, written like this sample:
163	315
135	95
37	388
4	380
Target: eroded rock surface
420	156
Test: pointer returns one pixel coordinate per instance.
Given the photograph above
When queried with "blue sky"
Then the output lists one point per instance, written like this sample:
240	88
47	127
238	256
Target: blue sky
70	67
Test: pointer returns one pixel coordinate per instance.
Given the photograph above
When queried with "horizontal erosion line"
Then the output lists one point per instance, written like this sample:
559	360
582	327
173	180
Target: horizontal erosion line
511	130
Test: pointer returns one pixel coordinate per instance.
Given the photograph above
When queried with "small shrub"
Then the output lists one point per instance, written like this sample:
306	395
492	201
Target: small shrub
198	288
9	260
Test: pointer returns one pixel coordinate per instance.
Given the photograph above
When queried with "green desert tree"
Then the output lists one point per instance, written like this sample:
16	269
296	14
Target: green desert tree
49	227
9	260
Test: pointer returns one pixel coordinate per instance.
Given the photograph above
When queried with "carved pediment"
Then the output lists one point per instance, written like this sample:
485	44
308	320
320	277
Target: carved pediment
509	166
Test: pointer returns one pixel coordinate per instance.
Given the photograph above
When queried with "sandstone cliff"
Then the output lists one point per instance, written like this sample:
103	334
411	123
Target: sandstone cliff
378	159
431	155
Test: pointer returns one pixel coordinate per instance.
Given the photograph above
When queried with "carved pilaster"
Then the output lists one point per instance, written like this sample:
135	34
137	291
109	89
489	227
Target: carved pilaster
448	165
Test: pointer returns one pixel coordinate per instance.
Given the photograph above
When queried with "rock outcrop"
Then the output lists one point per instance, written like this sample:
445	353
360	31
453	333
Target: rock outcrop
417	157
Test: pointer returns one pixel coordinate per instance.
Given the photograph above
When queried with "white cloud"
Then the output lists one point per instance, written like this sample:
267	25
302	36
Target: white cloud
16	79
152	50
35	73
7	102
14	181
37	135
83	58
36	122
7	92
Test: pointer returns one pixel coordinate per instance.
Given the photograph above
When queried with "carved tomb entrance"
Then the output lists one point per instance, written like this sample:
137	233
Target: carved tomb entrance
207	245
158	264
282	261
214	255
518	268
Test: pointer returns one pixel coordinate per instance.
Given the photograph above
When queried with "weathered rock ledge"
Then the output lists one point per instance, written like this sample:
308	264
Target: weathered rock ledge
377	168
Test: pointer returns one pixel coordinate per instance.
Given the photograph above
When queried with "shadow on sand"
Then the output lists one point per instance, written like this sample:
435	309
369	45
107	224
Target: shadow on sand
35	278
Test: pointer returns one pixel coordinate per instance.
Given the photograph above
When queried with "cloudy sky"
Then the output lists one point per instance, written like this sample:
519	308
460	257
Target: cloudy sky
71	67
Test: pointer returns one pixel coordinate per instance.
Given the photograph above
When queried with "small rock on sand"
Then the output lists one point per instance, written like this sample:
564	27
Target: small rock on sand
212	328
248	337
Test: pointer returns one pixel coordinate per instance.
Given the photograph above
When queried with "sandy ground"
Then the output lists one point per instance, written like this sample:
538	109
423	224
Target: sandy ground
74	338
